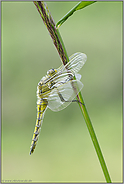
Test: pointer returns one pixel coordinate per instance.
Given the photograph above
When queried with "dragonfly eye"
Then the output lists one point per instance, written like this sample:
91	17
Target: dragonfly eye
51	72
40	85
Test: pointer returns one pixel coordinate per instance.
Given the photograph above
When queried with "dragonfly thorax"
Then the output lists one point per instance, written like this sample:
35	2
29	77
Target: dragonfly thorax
51	72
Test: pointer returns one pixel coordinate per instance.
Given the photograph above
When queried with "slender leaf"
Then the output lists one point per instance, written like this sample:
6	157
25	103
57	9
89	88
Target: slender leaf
80	5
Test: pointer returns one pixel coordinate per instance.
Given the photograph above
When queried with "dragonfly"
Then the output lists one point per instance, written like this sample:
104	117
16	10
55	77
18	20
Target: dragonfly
57	90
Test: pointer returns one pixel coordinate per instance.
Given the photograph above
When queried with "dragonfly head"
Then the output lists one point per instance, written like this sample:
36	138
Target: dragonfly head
51	72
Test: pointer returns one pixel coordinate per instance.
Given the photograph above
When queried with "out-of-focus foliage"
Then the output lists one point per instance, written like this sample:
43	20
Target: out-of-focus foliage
64	151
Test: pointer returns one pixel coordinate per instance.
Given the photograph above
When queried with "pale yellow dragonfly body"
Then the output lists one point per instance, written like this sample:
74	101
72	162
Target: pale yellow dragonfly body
57	90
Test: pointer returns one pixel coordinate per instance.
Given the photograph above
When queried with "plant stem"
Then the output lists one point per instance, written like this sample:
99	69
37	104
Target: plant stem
54	33
94	140
57	40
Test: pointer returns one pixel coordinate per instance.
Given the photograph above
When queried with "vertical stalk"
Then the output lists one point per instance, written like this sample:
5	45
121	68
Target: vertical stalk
57	40
54	33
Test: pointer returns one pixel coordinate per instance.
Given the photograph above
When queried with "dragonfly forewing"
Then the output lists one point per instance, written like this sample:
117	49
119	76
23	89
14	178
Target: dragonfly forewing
76	62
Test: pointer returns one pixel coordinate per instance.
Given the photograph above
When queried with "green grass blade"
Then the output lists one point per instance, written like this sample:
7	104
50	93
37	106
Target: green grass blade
79	6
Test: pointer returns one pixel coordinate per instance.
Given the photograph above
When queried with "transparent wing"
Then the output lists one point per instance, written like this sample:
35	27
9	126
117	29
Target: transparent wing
76	62
66	91
60	83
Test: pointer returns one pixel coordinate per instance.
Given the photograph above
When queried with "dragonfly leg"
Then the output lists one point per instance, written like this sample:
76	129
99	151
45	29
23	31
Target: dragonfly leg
78	101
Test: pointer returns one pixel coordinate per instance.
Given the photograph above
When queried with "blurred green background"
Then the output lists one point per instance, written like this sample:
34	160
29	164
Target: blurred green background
64	152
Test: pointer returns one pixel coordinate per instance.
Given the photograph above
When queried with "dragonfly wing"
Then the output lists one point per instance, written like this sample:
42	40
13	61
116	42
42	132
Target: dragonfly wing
76	62
67	91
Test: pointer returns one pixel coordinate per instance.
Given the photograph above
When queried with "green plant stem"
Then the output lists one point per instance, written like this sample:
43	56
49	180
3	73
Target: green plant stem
94	140
57	40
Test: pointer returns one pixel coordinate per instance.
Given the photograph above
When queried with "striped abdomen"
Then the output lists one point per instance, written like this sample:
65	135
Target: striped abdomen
41	107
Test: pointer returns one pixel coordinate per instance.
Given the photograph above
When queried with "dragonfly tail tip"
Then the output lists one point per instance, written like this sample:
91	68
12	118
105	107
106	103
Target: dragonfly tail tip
30	153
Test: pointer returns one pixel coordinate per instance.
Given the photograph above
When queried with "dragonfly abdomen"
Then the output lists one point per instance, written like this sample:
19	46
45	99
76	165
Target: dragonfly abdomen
41	107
